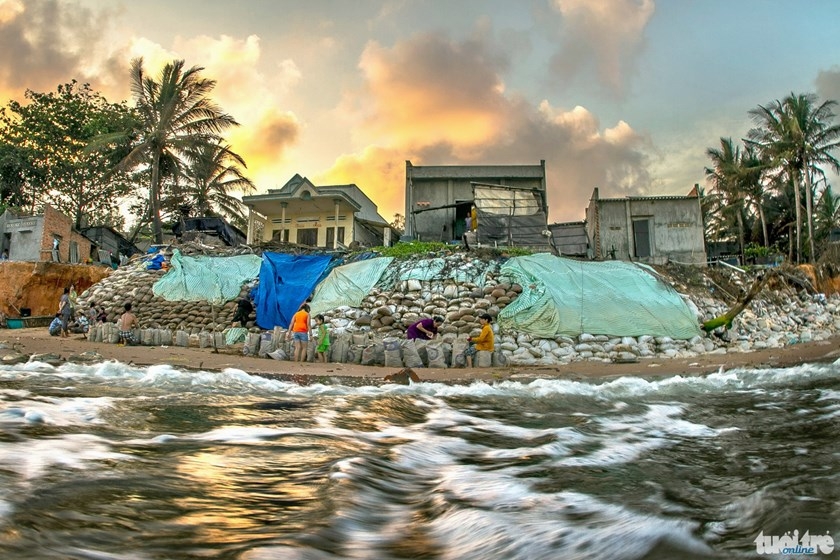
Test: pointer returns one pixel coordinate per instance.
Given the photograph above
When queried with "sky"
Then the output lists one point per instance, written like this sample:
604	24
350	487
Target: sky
623	95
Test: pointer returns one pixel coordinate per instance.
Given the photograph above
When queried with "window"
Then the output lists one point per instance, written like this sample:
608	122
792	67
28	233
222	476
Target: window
331	236
641	237
280	235
74	252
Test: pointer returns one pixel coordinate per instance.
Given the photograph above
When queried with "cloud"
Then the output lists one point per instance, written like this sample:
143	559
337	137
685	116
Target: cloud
242	90
603	38
828	84
436	101
35	46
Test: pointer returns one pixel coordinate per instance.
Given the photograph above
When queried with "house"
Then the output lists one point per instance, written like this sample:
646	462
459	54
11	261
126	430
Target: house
329	216
110	243
510	202
45	237
649	229
570	239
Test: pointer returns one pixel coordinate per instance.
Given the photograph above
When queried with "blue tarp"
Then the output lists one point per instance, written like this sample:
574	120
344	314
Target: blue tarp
285	283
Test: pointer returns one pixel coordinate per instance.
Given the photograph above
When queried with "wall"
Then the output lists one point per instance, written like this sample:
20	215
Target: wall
322	222
439	225
39	286
32	237
676	229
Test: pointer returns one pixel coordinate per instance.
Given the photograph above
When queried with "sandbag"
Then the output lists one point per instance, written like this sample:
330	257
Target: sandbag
219	339
339	348
354	354
373	354
459	346
483	359
393	354
182	338
252	344
436	354
165	337
267	344
410	356
205	339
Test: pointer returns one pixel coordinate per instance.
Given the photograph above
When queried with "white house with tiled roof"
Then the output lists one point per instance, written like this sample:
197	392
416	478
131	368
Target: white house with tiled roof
328	216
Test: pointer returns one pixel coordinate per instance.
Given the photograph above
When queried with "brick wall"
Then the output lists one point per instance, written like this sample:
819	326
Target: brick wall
58	225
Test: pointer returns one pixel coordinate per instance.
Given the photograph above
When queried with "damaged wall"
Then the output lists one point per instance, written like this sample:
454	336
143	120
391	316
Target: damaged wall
39	286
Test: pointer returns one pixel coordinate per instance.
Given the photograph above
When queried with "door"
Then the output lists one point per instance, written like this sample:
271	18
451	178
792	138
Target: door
308	236
641	237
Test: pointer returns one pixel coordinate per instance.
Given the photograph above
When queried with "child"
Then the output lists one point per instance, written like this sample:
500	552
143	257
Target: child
55	326
323	339
127	321
299	332
484	341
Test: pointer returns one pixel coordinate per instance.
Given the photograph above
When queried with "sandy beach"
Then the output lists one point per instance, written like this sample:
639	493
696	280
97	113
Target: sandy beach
38	341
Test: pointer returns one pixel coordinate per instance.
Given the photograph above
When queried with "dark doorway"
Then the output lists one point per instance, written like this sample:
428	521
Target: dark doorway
308	236
641	237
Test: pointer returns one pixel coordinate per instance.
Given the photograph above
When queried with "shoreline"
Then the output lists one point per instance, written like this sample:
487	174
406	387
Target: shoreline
38	341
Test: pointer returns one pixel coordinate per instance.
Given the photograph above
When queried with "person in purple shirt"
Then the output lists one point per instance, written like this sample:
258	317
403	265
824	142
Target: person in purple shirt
424	329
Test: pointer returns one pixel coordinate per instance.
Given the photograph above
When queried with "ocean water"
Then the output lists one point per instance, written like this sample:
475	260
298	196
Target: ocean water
112	461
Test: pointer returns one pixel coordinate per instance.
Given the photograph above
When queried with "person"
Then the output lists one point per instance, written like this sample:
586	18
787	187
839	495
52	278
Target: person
424	328
473	218
55	254
102	317
299	332
64	310
74	300
92	313
5	255
244	307
55	326
484	341
126	323
80	325
323	338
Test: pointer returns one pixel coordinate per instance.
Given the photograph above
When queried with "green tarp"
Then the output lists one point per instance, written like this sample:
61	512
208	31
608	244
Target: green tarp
348	284
212	279
569	297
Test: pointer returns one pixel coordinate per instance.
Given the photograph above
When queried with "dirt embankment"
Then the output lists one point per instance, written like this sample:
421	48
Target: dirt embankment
38	286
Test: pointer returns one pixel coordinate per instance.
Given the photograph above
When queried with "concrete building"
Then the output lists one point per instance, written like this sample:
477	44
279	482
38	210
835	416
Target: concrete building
510	201
329	216
46	237
110	244
649	229
570	239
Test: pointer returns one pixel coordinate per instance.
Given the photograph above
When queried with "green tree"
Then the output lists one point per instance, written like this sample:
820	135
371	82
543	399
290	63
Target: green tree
44	150
176	116
827	214
725	179
212	174
798	135
15	171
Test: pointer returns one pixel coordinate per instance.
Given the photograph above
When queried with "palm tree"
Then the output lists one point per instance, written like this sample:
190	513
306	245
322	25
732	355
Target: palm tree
750	174
828	213
176	116
724	176
798	135
212	174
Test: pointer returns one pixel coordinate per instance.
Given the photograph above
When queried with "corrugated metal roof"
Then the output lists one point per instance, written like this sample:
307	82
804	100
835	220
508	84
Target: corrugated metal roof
476	171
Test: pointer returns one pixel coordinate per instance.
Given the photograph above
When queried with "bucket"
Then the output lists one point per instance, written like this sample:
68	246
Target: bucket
14	323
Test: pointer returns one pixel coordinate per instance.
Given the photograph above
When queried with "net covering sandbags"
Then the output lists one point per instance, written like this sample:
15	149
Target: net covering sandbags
348	284
569	297
212	279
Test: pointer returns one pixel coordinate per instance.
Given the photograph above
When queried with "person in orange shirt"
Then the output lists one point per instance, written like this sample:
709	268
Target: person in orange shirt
484	341
299	332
